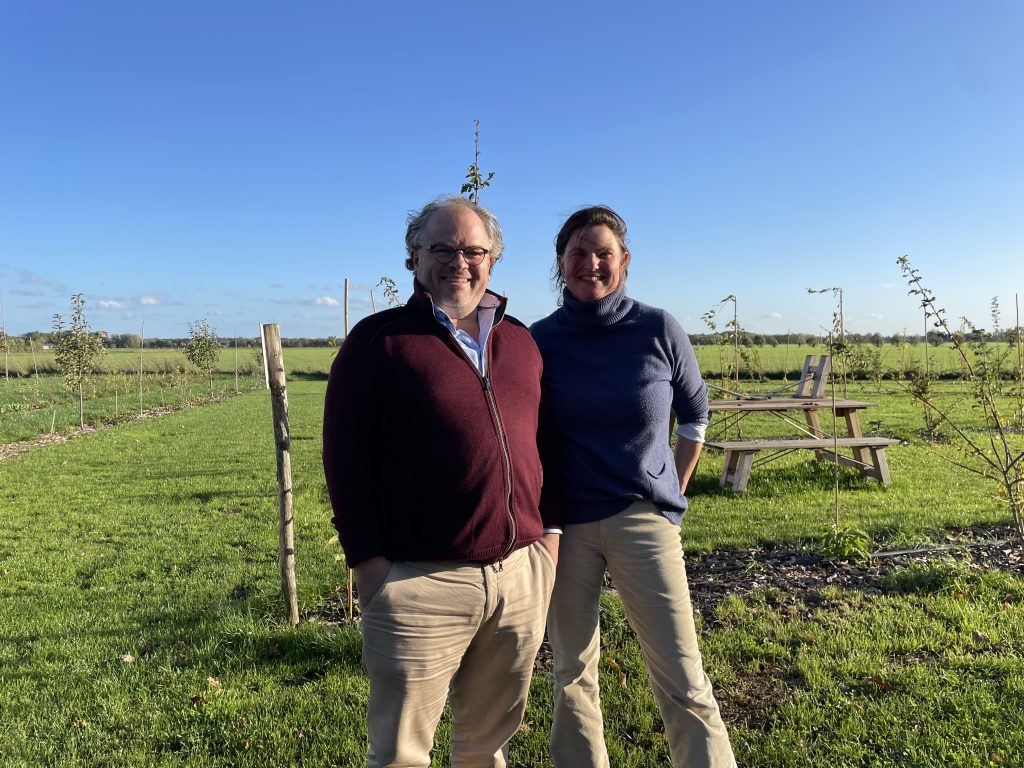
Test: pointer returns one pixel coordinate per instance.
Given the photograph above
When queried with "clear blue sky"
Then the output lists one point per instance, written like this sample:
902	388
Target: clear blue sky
236	161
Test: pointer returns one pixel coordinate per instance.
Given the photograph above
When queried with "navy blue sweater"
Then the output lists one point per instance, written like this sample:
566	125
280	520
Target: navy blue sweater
613	370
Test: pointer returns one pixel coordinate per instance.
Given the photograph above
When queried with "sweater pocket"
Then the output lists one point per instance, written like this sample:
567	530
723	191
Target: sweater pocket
658	474
654	472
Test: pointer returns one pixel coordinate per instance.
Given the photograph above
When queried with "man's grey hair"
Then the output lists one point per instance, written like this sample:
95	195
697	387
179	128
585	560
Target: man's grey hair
418	221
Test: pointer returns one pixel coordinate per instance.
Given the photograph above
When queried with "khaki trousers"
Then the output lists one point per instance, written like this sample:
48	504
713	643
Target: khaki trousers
644	555
465	628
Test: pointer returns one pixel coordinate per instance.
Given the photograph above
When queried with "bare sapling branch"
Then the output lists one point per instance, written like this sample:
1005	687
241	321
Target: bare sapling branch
996	458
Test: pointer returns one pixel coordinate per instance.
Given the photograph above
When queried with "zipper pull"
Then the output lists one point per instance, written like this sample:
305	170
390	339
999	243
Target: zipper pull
487	383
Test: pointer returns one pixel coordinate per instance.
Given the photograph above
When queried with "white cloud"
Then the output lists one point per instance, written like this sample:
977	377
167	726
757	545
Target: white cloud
326	301
107	304
148	301
775	315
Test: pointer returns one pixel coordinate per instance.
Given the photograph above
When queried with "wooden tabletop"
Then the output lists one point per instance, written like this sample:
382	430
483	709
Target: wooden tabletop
786	404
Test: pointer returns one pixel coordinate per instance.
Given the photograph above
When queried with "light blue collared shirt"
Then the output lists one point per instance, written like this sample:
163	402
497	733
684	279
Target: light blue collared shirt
474	349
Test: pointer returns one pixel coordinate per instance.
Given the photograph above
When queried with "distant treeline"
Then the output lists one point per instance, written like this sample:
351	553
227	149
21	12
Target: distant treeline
935	338
39	340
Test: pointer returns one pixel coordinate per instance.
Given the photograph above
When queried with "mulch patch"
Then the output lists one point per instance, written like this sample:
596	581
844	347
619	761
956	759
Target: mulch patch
7	450
797	575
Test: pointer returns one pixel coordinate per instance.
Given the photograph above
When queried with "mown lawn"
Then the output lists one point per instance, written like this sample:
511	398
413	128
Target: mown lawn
141	624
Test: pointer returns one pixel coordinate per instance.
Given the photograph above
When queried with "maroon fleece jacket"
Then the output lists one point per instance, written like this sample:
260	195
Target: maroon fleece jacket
425	458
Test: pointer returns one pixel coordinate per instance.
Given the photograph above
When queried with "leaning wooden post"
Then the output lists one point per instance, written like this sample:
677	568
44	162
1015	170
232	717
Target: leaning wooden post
274	362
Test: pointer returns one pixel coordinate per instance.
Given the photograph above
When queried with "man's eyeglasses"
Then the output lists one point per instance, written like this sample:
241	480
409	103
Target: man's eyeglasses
445	254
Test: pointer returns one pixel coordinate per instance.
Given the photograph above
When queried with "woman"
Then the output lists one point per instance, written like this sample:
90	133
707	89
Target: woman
614	370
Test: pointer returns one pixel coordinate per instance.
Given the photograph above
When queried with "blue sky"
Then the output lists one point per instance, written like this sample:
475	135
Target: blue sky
236	161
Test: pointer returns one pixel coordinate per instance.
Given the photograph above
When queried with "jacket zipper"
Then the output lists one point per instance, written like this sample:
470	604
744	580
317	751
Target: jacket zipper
506	457
507	461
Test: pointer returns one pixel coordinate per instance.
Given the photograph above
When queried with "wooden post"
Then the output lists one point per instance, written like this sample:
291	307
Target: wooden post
346	307
274	362
142	347
3	319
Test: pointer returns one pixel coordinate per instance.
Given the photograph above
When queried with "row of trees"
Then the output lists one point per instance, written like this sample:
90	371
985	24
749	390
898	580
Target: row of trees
935	338
77	350
37	340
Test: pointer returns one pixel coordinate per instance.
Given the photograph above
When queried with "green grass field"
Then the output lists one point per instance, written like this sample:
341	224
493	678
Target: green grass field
142	625
33	404
714	359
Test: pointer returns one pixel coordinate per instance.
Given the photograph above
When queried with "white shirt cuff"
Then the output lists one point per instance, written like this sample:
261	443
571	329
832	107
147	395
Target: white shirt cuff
694	432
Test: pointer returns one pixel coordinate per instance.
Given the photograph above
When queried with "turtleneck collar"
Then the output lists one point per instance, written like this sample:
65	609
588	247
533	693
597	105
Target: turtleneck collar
607	311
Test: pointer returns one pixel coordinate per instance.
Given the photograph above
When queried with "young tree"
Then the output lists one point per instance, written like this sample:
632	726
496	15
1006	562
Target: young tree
202	349
838	347
78	350
390	291
994	454
475	180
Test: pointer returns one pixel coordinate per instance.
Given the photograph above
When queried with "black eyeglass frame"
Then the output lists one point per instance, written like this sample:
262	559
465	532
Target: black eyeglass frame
445	254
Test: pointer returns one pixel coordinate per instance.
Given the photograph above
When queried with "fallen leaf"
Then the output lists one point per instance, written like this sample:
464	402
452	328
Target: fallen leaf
881	684
128	658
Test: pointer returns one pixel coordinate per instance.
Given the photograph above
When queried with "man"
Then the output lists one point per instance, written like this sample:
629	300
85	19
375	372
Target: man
430	452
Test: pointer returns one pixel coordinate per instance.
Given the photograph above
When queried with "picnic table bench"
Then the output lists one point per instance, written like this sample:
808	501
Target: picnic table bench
869	455
868	452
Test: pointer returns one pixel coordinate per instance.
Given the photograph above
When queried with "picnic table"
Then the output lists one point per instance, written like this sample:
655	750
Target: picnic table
867	452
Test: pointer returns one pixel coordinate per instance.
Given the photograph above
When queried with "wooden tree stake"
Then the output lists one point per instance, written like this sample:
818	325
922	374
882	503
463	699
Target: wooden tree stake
274	362
142	347
346	307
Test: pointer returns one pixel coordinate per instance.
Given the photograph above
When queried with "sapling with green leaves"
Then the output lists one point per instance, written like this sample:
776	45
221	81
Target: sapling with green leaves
390	291
202	349
77	351
994	456
475	180
178	380
119	383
